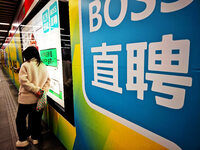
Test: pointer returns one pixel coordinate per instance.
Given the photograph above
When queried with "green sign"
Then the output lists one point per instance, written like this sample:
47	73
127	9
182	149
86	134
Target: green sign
49	57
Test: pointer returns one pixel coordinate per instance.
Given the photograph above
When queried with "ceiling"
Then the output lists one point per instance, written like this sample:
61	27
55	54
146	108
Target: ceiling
8	10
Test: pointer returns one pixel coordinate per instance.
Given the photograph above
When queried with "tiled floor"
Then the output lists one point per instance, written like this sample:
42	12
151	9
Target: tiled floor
8	110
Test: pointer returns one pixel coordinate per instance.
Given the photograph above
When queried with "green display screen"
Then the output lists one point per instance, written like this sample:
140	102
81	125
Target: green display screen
49	57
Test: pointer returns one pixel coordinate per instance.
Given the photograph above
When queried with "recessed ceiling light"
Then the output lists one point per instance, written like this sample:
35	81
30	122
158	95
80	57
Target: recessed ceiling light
6	24
11	31
3	31
15	24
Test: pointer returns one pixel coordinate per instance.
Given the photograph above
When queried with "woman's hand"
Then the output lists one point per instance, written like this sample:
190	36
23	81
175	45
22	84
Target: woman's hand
39	93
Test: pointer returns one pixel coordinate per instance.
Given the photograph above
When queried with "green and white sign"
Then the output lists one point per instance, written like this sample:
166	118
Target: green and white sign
49	57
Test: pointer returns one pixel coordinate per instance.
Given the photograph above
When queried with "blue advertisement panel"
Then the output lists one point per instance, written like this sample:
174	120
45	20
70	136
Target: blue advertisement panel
141	66
45	21
53	11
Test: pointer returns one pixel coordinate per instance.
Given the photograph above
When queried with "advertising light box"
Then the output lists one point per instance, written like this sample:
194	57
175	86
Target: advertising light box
142	57
43	32
49	57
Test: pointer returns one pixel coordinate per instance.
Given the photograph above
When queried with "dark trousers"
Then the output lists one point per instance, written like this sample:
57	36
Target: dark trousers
34	121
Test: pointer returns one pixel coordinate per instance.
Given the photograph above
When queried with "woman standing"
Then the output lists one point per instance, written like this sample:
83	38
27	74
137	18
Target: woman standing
34	80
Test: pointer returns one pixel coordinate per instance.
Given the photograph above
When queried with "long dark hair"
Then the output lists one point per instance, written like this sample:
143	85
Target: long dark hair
32	52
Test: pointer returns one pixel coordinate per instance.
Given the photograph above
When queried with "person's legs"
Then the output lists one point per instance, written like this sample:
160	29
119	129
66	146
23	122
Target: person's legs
35	123
31	119
21	122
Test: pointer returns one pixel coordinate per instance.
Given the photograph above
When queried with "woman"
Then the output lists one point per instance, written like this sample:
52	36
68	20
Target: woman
34	80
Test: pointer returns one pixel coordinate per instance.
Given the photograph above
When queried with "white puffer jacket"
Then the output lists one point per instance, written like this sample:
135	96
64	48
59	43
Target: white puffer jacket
32	78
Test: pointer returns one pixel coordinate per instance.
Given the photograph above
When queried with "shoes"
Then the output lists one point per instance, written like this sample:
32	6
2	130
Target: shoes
33	141
22	143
